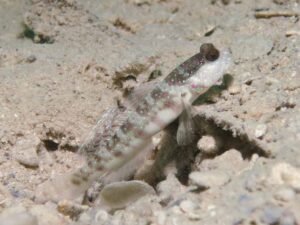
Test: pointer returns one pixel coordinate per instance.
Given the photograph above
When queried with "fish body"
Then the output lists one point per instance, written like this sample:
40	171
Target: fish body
121	135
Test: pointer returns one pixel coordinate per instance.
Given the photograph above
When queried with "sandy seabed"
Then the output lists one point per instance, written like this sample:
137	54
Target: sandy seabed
63	62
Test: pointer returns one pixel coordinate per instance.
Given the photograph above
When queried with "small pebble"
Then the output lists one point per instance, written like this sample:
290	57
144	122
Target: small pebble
36	39
31	59
101	216
230	161
260	130
85	218
122	217
31	162
94	215
145	206
25	151
234	89
209	179
287	218
207	144
285	194
271	80
71	209
120	194
187	206
284	173
271	214
289	33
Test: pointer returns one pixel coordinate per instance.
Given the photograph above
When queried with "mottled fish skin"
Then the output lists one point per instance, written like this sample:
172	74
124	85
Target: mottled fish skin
121	134
165	103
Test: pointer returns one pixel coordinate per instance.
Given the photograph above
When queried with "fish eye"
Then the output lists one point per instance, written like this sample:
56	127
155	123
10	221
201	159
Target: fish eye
209	51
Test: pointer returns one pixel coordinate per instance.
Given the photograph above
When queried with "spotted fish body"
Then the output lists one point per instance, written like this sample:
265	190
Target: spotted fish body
123	134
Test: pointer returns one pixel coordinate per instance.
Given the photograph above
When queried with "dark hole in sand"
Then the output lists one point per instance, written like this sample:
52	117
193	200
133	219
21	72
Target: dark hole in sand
184	156
50	145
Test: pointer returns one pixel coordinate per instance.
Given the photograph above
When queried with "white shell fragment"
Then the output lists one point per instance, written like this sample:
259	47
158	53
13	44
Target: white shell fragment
120	194
260	130
208	145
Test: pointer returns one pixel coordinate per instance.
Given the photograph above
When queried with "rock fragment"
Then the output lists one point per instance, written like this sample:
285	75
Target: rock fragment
234	89
71	209
120	194
209	179
285	194
260	130
28	161
230	161
25	151
287	218
31	59
187	206
273	214
208	145
94	216
285	174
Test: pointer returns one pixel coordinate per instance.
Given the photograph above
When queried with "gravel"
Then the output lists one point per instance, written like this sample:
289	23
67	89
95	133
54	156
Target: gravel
62	63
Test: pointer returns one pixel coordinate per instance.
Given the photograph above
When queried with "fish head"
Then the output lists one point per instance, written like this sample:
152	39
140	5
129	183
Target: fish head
214	65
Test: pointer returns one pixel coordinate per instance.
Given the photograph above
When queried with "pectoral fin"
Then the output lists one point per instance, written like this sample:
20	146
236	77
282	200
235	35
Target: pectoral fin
186	128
